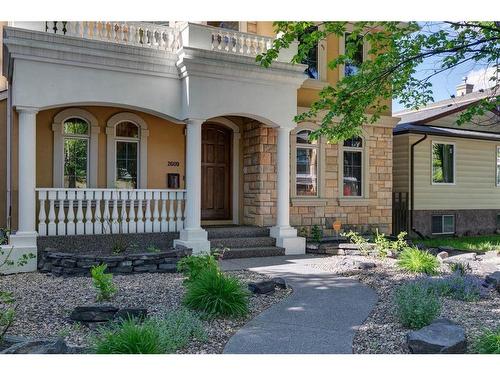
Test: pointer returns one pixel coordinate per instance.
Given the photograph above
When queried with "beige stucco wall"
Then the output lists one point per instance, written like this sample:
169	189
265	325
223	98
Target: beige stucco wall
475	171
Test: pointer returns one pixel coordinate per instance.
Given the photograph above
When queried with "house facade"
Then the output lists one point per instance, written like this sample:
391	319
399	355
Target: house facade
129	127
449	173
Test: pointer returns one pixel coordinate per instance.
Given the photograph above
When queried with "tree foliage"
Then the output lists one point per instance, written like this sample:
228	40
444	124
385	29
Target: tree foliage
395	51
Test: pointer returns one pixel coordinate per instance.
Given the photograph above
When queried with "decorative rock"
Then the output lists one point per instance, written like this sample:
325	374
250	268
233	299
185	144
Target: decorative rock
446	248
494	279
126	269
38	346
132	313
364	265
262	287
165	267
461	258
146	268
311	246
442	255
442	336
279	282
94	313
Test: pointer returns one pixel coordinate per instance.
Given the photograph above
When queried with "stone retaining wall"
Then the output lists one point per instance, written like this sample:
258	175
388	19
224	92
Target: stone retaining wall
70	264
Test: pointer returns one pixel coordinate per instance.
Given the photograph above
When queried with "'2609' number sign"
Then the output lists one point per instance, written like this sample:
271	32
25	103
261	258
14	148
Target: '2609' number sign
173	163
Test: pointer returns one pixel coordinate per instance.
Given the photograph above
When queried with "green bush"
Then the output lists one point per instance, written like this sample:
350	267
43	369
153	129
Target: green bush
217	295
316	233
488	342
416	304
151	336
191	266
103	282
417	261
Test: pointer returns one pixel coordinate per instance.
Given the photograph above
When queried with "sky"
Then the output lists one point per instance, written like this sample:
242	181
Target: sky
444	84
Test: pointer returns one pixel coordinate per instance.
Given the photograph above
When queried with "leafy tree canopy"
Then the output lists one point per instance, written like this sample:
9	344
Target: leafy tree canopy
395	50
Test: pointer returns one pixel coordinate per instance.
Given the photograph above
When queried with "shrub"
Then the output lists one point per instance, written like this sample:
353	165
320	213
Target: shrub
417	261
191	266
417	305
383	244
457	286
103	282
151	336
153	249
216	295
358	240
488	342
316	233
7	312
461	268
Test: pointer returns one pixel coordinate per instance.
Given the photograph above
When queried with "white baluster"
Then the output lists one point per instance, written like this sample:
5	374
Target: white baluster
148	225
156	212
85	29
61	215
241	43
123	213
95	31
42	216
106	224
97	213
180	220
80	228
89	226
160	39
140	212
114	215
132	225
171	211
125	35
77	29
70	229
164	223
51	228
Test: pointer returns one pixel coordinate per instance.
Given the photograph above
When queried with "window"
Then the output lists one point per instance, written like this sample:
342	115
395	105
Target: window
498	166
232	25
306	177
127	144
353	47
443	163
443	224
76	149
311	60
353	167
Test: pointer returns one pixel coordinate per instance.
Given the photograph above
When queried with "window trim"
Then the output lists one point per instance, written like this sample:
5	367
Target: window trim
366	48
129	140
322	80
142	165
442	223
364	167
454	164
93	145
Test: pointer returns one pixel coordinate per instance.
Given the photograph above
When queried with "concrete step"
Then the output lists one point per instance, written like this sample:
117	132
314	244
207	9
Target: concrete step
242	242
236	232
251	252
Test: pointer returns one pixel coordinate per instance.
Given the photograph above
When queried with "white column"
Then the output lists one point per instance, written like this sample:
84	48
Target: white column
193	236
24	240
285	235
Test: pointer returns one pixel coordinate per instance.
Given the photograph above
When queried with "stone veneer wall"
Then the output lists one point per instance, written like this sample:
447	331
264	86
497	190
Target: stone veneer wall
364	214
259	174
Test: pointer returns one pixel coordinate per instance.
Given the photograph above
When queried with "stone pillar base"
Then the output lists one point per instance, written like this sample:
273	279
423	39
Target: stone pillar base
286	237
195	239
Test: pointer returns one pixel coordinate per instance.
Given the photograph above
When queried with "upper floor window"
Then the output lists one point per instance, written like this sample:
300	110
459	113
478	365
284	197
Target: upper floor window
76	136
353	64
127	147
353	167
443	163
311	60
306	177
232	25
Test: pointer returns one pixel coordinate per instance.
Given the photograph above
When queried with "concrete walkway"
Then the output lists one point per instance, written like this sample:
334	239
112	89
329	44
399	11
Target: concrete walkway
320	316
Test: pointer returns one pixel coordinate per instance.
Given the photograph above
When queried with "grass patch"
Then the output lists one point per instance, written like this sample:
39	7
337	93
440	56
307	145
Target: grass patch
488	342
473	243
418	261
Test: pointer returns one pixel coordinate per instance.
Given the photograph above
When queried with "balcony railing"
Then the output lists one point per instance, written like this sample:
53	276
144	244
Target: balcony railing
170	39
103	211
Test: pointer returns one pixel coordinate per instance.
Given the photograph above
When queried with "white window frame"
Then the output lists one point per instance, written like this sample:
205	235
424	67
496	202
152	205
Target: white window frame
129	140
322	80
366	48
364	168
497	164
442	223
142	155
92	146
454	164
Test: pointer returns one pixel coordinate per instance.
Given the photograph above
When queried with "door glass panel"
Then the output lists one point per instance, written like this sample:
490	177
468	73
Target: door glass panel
75	162
307	162
126	165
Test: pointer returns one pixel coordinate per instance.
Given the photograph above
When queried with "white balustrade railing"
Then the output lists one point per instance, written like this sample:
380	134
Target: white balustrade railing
102	211
240	43
141	34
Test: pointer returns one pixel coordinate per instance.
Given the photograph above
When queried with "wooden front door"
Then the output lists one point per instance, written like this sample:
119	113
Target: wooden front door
215	173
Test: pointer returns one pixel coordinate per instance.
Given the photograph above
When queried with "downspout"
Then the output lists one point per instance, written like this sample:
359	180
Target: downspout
412	185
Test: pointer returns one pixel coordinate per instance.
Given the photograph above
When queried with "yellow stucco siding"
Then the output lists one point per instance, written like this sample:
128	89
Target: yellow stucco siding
475	174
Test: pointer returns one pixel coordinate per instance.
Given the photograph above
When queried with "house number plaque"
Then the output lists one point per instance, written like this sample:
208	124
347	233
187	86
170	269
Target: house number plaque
172	163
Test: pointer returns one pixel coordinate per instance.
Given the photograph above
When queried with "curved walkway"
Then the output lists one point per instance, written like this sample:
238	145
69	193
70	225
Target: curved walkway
320	316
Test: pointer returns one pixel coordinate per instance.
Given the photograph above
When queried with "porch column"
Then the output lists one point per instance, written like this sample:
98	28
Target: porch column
193	236
24	240
285	235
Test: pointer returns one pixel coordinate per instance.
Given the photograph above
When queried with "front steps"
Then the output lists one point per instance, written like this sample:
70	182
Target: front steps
243	242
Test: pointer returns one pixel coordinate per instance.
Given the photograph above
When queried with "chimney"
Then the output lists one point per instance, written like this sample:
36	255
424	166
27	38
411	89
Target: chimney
464	88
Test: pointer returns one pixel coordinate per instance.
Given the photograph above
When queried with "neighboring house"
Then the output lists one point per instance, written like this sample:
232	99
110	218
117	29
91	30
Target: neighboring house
178	124
453	184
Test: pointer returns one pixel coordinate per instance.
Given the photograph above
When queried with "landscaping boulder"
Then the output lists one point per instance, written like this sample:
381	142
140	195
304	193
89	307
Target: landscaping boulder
442	256
94	313
132	313
461	258
442	336
494	280
279	282
262	287
364	265
38	346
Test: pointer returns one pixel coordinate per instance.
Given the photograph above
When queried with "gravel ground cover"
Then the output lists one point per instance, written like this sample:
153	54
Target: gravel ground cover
382	333
45	303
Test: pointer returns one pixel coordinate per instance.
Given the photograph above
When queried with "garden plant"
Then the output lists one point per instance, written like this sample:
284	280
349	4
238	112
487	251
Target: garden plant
103	283
416	304
414	260
488	342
